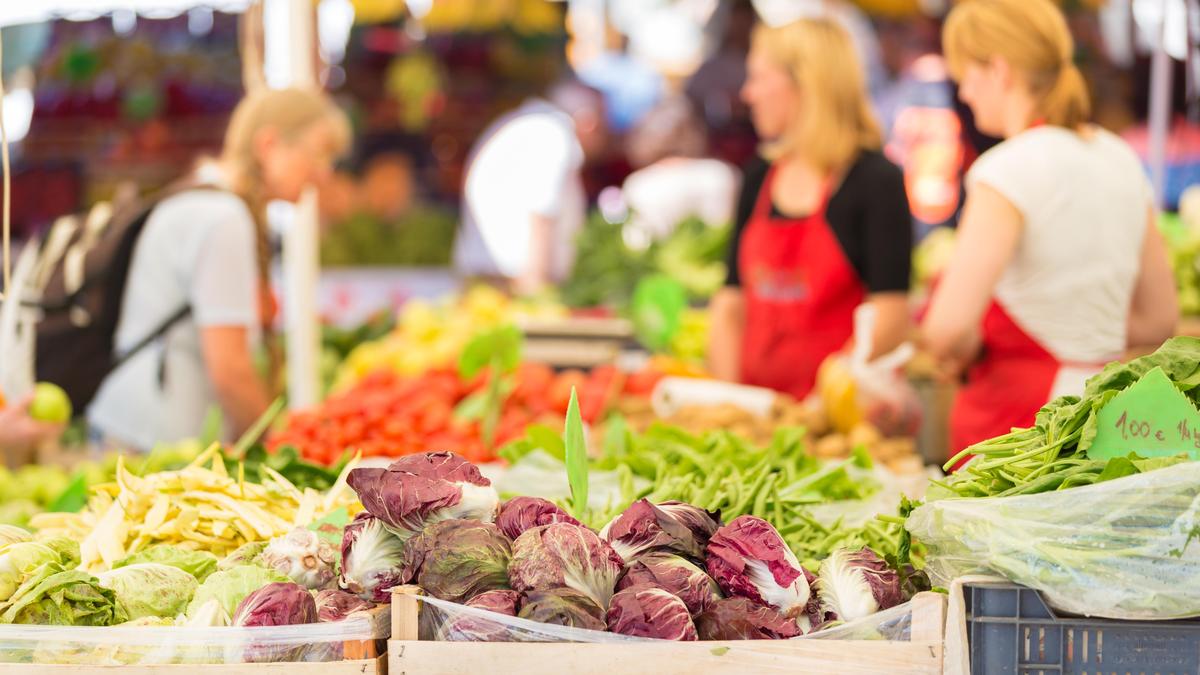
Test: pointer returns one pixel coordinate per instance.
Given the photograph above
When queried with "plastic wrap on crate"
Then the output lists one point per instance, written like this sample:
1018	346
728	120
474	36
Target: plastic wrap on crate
1124	549
166	645
442	620
892	629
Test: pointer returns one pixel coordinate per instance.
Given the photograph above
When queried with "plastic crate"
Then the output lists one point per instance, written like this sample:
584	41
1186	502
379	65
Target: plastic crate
1012	631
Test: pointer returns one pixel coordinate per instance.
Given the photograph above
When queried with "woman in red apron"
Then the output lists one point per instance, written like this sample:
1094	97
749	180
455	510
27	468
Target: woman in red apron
1058	266
822	229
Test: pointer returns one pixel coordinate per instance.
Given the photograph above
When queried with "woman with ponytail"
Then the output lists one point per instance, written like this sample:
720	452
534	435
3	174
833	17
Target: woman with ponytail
201	270
1059	267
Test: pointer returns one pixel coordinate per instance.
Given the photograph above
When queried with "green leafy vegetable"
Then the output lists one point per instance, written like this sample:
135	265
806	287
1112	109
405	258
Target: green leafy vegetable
199	564
57	597
230	587
576	458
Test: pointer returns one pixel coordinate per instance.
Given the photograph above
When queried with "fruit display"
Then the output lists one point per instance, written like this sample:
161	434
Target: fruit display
429	336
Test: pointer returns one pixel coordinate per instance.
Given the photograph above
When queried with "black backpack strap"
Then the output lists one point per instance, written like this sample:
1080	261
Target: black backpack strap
179	315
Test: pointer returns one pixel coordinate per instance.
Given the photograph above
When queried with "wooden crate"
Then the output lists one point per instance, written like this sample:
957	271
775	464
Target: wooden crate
407	655
375	666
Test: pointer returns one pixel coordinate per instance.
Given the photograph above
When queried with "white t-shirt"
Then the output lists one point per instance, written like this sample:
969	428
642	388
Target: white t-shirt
665	193
198	248
1084	200
525	164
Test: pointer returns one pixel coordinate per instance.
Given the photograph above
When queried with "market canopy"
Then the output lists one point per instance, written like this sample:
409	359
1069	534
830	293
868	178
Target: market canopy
16	13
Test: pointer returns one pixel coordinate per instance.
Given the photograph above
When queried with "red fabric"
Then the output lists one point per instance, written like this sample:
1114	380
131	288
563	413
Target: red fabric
1006	388
801	292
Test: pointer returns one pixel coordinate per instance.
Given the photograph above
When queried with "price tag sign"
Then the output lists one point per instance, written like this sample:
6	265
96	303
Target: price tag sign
1152	418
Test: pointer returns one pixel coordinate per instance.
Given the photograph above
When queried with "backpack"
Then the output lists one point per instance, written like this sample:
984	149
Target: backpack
83	266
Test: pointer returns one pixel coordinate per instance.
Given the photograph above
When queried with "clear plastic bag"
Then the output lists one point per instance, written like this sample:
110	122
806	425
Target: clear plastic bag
1121	549
446	621
155	645
442	620
855	389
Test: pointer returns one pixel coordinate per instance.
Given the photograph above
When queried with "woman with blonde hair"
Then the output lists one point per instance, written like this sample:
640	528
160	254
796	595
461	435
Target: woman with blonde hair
1058	267
822	225
199	280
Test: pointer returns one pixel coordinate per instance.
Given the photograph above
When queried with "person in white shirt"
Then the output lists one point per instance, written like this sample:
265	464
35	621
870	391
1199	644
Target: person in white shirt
523	198
206	251
675	180
1059	266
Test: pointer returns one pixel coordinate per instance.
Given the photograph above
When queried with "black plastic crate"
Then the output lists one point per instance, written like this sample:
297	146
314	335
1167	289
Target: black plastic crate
1012	631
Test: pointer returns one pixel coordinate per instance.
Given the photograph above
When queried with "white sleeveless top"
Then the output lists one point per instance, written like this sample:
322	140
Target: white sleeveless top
1084	200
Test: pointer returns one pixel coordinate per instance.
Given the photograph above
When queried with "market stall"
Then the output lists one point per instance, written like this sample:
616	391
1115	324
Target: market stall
478	475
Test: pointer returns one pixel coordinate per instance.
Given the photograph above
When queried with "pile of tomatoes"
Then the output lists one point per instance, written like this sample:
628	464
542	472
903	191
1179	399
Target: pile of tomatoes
390	415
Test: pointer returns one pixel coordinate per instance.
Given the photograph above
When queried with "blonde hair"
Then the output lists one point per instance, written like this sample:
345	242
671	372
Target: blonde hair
836	122
1032	36
290	112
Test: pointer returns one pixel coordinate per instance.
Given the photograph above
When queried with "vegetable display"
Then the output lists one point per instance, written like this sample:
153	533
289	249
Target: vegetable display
1097	537
195	507
1052	455
719	472
389	415
659	570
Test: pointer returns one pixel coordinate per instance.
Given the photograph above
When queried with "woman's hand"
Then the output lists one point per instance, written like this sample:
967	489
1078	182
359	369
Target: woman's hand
21	433
728	316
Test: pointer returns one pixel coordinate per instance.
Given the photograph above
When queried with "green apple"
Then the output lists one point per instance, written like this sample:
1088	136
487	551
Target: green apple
50	404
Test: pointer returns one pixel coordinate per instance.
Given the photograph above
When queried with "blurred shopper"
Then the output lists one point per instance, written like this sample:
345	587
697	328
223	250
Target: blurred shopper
822	228
523	199
201	270
675	180
1058	266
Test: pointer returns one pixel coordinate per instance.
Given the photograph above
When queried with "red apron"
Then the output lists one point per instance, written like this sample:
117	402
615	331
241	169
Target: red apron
1006	387
801	292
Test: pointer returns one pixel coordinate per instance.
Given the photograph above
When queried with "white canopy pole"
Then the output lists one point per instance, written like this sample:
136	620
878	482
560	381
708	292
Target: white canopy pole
1160	113
289	34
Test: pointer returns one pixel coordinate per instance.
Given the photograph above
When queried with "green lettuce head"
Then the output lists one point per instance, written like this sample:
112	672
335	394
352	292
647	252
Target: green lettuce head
150	589
230	587
11	534
67	550
199	564
246	554
56	597
18	561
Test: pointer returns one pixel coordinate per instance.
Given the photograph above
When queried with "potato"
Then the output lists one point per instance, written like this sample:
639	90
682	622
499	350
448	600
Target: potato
831	446
908	464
